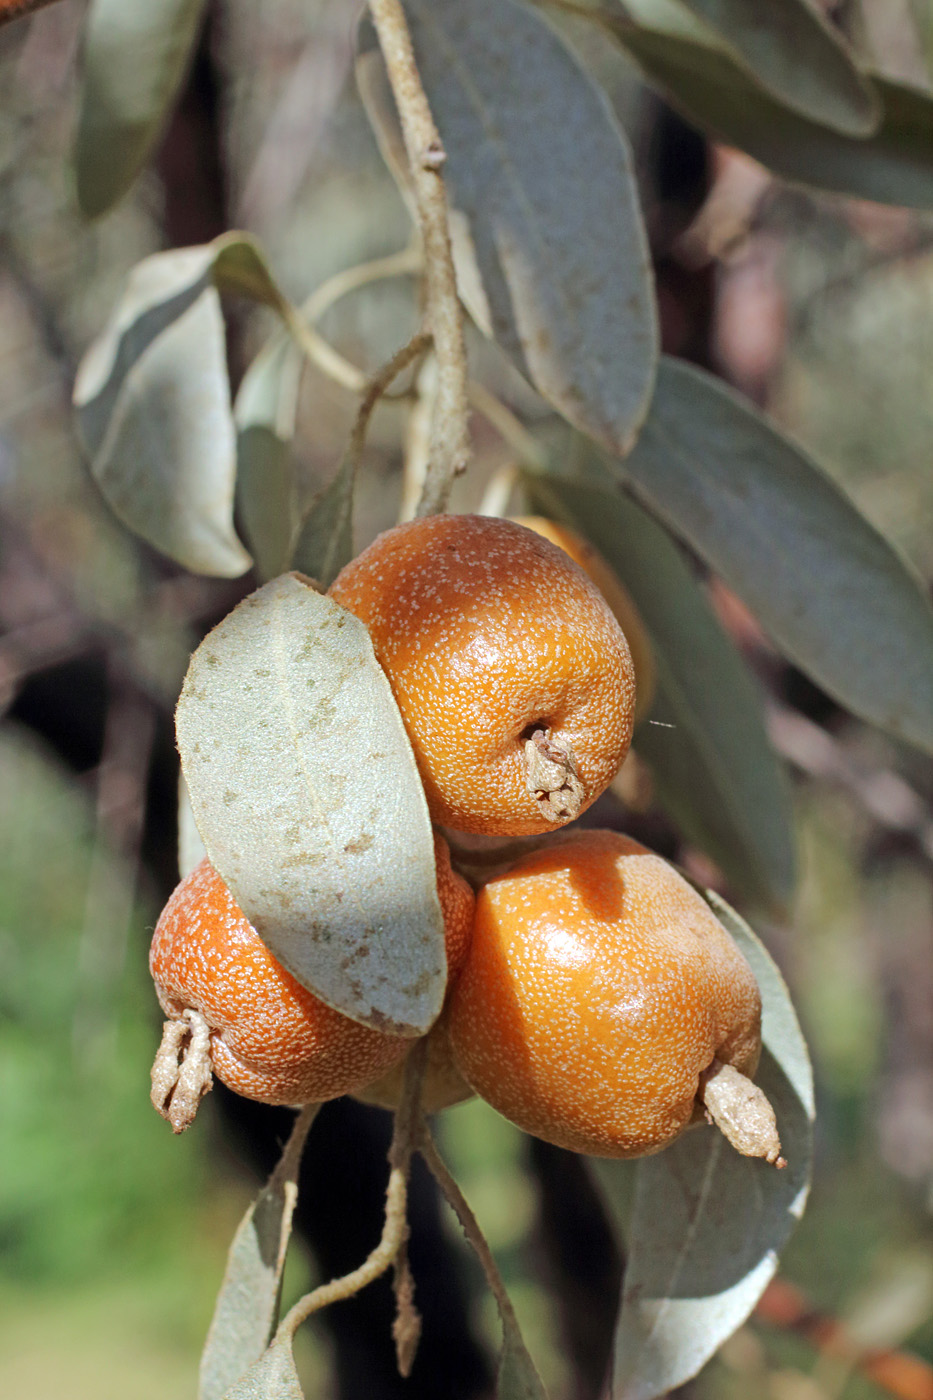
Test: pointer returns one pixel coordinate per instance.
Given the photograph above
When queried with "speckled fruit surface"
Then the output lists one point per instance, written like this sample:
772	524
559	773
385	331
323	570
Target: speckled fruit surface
597	988
486	632
616	595
271	1039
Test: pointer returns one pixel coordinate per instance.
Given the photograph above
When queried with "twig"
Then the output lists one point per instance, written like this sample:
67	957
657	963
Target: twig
302	323
375	390
406	262
395	1229
468	1223
321	353
449	440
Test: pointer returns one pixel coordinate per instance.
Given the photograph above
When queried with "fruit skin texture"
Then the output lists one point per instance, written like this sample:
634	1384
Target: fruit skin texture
616	595
486	631
597	988
271	1039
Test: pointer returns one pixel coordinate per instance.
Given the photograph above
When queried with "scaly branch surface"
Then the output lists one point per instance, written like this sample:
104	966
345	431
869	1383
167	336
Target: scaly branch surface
449	438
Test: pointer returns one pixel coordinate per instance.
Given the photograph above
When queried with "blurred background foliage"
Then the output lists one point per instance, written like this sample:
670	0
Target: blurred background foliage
112	1234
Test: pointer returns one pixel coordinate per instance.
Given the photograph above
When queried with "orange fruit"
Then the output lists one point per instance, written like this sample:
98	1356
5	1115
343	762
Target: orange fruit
270	1038
498	648
616	595
597	990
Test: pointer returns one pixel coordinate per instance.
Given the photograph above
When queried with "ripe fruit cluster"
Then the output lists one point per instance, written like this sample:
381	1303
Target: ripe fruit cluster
593	998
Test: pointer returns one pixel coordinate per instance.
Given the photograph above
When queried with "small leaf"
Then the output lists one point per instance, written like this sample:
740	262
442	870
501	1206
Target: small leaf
272	1378
799	57
706	1224
153	401
247	1308
306	793
828	587
265	412
705	738
324	543
573	306
705	81
518	1377
135	55
190	846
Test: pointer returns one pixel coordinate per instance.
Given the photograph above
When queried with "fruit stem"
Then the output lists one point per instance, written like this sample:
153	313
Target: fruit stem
395	1227
741	1111
468	1223
450	448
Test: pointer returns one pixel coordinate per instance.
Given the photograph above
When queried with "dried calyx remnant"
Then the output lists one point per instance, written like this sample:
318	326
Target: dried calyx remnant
181	1071
552	777
741	1111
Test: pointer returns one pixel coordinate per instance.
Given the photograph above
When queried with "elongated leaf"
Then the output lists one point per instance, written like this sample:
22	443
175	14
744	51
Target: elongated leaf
705	740
265	412
798	56
247	1308
153	401
306	794
324	542
134	58
540	168
518	1377
707	1225
272	1378
714	90
829	588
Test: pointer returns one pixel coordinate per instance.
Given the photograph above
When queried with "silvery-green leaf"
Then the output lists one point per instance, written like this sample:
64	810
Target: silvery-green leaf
705	738
714	90
265	412
795	53
541	170
893	167
828	587
190	846
306	793
247	1308
706	1225
324	541
134	57
518	1377
153	401
272	1378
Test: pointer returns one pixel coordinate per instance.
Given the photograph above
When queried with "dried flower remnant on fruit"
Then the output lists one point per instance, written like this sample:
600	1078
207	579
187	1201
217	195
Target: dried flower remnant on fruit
741	1112
234	1011
598	991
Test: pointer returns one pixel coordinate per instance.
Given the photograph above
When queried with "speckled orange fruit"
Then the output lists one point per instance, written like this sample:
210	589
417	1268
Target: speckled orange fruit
597	989
616	595
489	633
271	1039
